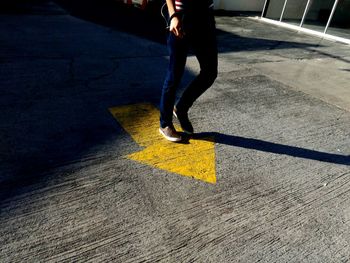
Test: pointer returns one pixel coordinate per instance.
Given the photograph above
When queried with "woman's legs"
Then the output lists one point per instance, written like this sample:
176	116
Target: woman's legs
205	48
178	48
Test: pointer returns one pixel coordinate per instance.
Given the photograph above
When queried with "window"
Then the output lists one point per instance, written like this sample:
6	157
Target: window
294	11
274	9
340	24
318	14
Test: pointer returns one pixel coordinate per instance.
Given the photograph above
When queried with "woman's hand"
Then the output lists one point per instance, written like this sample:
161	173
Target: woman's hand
176	27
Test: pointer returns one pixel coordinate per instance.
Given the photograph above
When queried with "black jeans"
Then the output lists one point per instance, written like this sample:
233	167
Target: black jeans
201	37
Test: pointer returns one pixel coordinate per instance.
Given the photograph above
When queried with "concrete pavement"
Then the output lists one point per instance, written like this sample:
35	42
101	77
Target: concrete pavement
278	114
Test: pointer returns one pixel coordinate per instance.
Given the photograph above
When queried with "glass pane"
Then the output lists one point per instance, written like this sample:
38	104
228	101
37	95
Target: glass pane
318	14
340	25
294	11
274	9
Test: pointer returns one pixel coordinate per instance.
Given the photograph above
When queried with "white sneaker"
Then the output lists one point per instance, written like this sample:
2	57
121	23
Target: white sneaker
170	134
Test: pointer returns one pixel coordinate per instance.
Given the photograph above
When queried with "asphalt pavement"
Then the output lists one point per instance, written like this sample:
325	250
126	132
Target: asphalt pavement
85	176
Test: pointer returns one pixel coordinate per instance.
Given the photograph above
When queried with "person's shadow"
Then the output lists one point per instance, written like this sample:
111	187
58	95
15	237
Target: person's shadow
271	147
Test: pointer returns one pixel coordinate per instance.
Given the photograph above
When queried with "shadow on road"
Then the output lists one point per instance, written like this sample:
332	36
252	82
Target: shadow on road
150	25
147	23
49	123
270	147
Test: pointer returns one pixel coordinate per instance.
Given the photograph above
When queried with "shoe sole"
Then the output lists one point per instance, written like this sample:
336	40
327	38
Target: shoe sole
187	132
170	138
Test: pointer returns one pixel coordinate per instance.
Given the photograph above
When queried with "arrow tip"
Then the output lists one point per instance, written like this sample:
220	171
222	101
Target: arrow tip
196	159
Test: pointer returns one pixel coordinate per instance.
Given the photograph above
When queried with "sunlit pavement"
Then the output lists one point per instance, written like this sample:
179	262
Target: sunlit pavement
85	175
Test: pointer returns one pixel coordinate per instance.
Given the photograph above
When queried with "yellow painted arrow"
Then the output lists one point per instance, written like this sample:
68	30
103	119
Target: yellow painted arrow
141	121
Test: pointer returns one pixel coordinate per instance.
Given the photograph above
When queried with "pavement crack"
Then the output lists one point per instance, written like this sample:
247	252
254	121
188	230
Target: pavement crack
103	75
